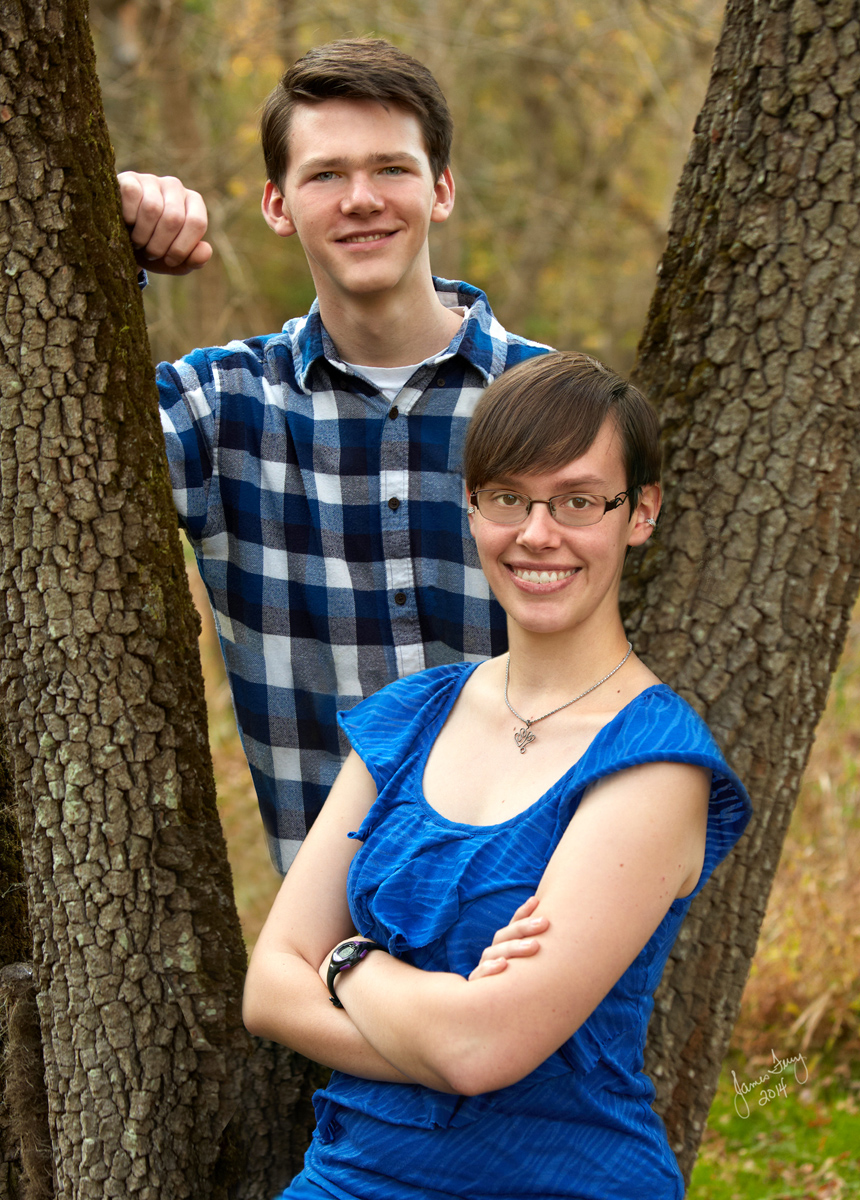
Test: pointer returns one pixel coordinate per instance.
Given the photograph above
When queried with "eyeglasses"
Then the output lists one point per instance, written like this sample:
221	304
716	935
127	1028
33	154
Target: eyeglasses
503	507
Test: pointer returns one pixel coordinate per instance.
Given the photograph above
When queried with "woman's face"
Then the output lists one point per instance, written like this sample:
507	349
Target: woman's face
551	577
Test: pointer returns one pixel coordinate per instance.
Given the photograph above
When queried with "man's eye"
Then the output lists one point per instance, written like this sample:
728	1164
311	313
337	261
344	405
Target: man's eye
393	171
324	176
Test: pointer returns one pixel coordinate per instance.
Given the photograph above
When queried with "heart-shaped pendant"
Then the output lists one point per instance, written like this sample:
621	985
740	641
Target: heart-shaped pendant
522	737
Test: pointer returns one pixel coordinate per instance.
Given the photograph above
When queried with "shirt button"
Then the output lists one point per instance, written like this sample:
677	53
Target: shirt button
440	382
399	597
394	504
394	413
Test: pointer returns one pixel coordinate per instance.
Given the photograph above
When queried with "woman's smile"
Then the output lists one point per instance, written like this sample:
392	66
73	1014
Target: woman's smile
537	578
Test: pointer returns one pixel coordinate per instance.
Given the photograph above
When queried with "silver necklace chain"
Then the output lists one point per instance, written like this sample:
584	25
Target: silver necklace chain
523	737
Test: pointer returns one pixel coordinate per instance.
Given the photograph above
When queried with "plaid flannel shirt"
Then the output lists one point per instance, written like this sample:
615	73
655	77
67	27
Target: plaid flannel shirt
331	533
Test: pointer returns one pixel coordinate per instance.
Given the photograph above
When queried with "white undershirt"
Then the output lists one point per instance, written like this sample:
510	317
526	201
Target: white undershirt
391	381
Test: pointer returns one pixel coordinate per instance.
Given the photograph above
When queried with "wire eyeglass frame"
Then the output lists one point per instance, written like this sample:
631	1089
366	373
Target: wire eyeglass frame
608	506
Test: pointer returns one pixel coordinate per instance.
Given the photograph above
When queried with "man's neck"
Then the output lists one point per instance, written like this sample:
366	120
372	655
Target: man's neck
387	330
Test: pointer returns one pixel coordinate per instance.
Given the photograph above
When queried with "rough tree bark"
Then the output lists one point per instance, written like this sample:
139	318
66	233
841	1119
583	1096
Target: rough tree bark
752	353
138	956
26	1168
25	1144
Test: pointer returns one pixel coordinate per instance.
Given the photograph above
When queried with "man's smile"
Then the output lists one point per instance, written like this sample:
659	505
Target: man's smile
355	239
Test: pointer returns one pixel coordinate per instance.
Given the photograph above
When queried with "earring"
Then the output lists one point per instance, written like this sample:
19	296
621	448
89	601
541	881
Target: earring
470	511
650	521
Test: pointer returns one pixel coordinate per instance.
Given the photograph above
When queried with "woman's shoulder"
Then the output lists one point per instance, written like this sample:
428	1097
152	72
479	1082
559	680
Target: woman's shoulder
658	719
412	692
658	725
383	728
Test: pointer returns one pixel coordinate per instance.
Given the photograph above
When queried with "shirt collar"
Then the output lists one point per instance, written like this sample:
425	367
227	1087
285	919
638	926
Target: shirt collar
480	338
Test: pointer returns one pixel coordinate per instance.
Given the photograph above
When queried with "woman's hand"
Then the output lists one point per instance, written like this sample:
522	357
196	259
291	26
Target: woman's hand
516	940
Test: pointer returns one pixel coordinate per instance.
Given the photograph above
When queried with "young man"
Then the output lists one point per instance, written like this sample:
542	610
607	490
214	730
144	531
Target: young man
317	471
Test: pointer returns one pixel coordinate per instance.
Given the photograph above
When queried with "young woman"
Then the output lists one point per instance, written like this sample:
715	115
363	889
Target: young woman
499	873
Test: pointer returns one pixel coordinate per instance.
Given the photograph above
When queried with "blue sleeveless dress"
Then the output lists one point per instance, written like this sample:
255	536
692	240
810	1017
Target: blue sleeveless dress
434	891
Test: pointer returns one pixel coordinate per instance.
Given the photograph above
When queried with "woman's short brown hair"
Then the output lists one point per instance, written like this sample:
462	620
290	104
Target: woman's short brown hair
547	412
357	69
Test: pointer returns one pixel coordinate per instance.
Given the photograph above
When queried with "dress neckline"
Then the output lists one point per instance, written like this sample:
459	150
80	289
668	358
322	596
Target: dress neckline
442	716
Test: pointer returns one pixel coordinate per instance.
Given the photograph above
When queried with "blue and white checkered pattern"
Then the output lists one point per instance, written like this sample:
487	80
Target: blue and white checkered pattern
331	533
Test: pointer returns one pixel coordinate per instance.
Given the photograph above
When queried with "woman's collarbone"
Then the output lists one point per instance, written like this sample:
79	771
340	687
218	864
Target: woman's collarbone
486	778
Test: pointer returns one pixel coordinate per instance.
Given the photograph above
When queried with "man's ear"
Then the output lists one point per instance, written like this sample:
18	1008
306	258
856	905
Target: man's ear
444	197
275	211
645	515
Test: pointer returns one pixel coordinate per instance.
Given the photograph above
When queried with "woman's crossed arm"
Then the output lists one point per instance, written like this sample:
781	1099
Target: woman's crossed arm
635	843
285	998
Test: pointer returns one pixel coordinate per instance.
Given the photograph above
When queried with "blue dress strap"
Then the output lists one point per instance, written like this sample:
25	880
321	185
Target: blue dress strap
383	728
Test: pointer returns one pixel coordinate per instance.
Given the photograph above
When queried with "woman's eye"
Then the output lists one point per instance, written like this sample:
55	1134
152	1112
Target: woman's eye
508	499
577	503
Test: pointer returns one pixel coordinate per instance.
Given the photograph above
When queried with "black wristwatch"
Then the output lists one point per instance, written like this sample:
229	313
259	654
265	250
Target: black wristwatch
344	956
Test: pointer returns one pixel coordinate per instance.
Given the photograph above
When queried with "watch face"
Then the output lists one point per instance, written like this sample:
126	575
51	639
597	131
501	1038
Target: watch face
348	954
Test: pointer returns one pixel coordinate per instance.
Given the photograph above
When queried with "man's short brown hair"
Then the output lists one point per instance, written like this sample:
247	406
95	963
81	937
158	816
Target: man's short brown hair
357	69
547	412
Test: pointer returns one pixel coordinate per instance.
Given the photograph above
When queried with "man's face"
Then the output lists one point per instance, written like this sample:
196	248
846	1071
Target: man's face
360	194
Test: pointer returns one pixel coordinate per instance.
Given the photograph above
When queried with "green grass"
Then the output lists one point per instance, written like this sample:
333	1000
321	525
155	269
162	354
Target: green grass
801	1144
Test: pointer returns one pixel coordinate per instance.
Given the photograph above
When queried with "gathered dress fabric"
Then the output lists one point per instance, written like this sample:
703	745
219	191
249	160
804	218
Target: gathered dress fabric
434	891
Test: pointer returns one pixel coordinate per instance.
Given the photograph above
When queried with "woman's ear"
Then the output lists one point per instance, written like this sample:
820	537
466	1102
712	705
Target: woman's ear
470	508
645	515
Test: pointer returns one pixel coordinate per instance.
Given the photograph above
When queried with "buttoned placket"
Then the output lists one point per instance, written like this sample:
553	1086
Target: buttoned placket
399	564
394	500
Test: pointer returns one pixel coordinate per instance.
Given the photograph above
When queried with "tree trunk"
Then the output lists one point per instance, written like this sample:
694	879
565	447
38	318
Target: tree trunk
16	943
751	353
138	956
26	1168
25	1145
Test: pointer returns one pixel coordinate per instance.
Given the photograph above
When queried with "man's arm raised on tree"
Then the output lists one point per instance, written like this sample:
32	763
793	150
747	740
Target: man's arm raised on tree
166	222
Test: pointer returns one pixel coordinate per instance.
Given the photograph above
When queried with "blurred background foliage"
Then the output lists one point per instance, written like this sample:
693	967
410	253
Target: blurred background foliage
572	121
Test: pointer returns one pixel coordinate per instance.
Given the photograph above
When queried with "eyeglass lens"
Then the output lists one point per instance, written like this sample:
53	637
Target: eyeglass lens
510	508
